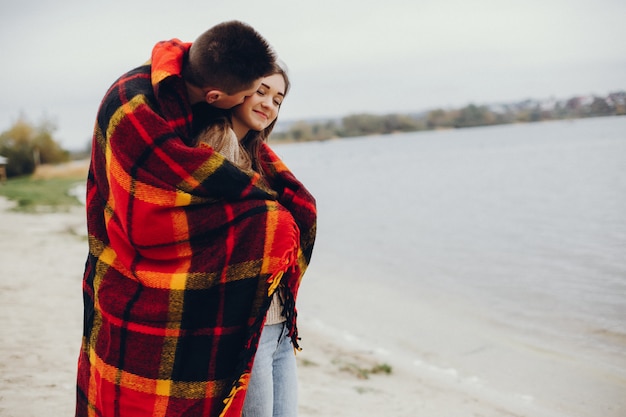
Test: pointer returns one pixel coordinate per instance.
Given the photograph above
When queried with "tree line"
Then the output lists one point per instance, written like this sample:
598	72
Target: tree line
26	145
469	116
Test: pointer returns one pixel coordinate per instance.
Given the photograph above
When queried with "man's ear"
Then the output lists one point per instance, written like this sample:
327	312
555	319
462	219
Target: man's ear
213	95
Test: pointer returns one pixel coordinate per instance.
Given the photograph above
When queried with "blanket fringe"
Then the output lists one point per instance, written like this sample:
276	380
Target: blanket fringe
290	312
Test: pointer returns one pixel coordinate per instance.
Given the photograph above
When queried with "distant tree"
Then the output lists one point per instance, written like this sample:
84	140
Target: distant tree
438	118
324	131
400	123
362	124
26	145
473	115
301	131
599	107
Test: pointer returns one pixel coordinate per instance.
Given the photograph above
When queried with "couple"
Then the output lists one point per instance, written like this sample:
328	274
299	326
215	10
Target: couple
199	236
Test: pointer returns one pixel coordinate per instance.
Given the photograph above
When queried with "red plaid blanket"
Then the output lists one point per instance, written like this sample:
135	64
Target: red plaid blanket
185	251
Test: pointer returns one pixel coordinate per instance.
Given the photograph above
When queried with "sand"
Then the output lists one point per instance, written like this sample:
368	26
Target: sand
41	260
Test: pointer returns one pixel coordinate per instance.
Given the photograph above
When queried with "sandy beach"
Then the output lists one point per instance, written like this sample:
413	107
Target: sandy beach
374	345
42	257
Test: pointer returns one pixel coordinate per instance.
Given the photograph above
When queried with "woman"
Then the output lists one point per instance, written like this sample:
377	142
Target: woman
239	135
272	390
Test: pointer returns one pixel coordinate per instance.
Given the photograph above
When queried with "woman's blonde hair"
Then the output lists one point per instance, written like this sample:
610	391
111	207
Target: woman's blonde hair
221	137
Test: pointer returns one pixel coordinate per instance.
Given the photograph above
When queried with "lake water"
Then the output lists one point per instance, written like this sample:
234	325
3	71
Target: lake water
519	228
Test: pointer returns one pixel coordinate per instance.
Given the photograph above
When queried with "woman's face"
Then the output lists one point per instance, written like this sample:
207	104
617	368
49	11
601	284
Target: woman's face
260	109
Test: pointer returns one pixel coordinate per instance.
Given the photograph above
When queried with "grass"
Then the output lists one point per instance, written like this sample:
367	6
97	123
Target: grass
363	372
47	188
33	194
306	362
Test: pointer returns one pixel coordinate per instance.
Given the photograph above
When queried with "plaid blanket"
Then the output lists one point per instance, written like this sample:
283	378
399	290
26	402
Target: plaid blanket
185	252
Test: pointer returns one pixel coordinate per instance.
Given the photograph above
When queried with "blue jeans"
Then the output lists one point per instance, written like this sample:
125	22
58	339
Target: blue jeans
273	388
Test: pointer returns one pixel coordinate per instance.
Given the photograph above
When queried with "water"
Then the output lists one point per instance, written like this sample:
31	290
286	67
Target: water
522	226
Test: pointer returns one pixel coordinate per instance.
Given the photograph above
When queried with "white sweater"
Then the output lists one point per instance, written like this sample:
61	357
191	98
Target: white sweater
274	313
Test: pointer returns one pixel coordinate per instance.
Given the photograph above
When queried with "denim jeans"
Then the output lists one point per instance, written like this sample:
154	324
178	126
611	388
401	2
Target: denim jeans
273	388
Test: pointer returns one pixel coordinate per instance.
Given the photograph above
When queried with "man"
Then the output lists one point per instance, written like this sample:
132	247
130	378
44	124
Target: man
185	249
226	64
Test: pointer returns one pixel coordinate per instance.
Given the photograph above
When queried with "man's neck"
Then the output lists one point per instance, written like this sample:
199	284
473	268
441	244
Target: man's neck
195	94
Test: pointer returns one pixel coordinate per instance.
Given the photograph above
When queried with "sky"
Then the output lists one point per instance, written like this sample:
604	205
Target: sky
344	57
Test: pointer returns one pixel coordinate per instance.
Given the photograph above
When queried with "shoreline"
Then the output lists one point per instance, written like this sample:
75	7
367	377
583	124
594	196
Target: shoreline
41	315
42	257
459	348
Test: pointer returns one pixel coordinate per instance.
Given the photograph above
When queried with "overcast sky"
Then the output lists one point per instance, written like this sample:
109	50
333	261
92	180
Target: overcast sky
59	57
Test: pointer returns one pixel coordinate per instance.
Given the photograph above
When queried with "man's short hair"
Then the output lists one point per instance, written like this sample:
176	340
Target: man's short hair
230	57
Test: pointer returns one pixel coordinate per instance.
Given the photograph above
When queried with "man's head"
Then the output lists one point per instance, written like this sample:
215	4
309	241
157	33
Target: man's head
226	64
